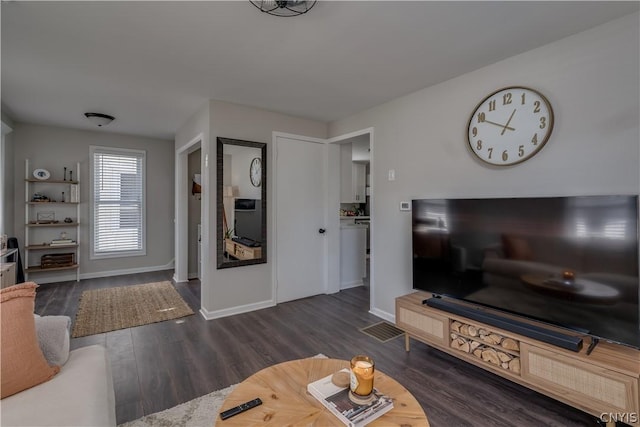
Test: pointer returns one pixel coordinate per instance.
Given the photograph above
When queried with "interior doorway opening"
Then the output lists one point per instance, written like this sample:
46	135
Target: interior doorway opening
355	198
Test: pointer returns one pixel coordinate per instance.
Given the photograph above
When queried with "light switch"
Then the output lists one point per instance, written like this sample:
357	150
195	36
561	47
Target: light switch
405	206
392	174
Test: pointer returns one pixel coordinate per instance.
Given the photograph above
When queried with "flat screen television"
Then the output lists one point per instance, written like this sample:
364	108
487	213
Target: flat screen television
567	261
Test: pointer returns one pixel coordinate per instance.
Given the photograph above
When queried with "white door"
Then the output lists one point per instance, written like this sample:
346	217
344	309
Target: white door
300	193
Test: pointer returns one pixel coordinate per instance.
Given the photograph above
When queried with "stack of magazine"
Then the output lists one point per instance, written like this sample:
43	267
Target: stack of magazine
336	399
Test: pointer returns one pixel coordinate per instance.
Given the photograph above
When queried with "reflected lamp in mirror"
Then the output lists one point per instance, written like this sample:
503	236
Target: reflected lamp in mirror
196	187
241	206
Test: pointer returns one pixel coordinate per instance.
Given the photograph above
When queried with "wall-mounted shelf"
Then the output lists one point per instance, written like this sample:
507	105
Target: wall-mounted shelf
36	232
57	224
36	269
48	247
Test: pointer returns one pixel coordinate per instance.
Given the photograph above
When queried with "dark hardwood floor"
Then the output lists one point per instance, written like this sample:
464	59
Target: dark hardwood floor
161	365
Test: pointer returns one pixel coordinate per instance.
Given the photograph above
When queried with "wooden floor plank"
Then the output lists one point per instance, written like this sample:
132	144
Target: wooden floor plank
164	364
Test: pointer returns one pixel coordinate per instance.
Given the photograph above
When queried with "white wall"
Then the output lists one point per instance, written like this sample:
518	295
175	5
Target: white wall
592	81
7	179
53	148
234	290
241	158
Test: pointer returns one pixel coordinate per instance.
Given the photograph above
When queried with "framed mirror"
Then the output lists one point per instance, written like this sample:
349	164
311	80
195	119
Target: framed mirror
241	203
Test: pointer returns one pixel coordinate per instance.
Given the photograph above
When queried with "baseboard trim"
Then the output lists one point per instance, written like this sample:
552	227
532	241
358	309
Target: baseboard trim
350	285
383	315
42	278
225	312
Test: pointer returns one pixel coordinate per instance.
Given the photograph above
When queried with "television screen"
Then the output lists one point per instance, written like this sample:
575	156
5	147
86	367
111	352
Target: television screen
567	261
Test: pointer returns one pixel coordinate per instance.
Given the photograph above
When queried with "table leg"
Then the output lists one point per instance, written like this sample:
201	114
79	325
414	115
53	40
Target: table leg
406	342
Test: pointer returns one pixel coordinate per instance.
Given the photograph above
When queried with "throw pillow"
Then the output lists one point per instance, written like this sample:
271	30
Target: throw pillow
517	248
53	338
22	365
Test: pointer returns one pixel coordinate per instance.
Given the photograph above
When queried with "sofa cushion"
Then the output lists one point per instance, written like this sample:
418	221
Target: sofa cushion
80	395
53	338
517	248
22	365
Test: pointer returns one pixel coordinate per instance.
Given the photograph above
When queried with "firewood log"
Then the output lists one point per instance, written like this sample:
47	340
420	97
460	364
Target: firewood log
464	329
504	357
473	331
514	365
456	326
510	344
489	355
505	365
478	352
474	344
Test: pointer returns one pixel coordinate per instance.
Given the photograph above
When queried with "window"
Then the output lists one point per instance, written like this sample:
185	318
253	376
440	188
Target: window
118	202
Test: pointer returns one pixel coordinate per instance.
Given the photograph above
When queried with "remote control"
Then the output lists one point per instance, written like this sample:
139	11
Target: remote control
240	408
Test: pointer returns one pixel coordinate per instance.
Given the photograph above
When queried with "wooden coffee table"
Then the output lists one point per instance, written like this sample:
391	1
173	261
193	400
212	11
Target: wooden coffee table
285	401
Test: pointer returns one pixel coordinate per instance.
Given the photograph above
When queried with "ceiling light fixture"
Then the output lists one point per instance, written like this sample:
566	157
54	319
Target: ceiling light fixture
99	119
284	7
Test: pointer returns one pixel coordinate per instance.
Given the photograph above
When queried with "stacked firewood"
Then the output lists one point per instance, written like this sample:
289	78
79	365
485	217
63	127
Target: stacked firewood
486	345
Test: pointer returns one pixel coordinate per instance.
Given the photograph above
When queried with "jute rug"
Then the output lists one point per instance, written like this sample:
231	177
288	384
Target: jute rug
105	310
199	412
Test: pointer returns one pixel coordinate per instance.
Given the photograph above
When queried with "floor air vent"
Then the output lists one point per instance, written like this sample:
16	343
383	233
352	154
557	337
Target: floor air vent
382	331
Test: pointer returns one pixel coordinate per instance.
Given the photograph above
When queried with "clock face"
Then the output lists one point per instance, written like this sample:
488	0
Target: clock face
510	126
255	172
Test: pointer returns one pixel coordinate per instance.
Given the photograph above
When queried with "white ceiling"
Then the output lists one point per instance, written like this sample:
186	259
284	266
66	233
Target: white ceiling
153	64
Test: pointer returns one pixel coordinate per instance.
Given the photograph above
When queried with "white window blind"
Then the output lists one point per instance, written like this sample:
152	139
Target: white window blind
118	194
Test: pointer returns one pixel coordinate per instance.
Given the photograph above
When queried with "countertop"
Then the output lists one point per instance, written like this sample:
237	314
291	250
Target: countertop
354	217
352	226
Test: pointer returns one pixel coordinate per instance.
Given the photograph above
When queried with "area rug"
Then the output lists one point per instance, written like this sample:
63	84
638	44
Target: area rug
110	309
199	412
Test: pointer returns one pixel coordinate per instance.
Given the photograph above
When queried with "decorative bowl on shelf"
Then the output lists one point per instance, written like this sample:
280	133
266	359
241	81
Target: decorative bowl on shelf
41	174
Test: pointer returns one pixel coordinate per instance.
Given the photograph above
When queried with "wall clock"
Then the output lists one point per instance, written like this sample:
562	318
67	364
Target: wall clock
255	172
510	126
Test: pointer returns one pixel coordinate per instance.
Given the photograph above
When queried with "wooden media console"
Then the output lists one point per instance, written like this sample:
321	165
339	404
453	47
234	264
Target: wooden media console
606	381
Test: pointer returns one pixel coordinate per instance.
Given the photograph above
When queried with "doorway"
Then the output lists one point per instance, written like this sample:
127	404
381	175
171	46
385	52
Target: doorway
355	199
194	161
183	193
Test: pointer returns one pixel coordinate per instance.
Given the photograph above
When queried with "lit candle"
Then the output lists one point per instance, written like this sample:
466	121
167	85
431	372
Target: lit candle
362	370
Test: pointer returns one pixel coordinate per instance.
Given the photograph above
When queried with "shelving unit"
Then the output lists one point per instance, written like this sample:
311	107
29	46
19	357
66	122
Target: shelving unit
38	235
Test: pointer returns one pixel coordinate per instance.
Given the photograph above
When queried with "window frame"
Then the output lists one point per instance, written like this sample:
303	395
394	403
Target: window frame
93	150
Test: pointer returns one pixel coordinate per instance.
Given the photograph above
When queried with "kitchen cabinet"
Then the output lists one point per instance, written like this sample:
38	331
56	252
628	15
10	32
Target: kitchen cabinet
353	177
353	255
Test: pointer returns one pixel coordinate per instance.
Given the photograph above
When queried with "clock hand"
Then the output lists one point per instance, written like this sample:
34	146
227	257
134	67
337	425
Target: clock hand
508	121
498	124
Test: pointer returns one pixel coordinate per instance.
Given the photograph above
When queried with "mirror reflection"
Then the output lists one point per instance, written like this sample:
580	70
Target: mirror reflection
241	202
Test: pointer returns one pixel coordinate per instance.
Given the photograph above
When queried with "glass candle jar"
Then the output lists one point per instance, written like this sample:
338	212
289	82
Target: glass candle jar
362	370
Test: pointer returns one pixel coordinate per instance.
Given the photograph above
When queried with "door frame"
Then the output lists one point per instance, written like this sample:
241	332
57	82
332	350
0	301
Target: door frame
334	220
273	170
181	245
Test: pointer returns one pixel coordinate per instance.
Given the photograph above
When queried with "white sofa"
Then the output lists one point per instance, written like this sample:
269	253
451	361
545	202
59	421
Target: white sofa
81	394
